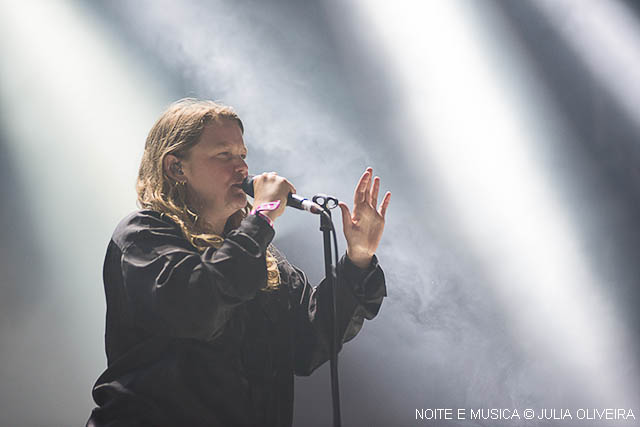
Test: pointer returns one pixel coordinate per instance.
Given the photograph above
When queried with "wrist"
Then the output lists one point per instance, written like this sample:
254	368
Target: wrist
359	260
266	210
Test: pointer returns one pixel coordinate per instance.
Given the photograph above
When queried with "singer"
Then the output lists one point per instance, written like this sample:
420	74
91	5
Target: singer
206	321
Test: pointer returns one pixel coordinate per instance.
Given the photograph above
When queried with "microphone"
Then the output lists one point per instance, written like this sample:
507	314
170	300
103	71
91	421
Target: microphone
293	200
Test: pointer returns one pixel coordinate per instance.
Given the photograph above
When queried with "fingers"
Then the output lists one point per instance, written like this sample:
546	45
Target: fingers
293	189
385	204
346	215
367	194
275	174
374	191
363	188
359	193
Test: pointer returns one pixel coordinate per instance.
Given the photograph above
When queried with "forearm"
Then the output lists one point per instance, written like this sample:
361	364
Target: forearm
175	290
360	295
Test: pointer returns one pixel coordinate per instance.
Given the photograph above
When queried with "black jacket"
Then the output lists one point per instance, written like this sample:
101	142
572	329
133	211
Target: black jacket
190	339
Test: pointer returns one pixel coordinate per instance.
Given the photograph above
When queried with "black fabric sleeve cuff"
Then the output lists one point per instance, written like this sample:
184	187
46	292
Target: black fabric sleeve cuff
252	236
355	274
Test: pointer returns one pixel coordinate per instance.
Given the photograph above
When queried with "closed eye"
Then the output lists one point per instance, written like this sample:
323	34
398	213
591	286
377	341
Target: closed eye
227	154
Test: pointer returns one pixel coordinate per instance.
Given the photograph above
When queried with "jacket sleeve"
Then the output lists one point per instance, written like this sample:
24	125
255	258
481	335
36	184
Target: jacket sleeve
175	290
359	296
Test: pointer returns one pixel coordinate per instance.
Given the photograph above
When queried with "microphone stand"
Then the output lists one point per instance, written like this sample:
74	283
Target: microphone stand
326	226
326	203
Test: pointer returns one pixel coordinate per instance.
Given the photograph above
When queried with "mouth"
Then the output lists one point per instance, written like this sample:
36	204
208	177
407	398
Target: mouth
238	183
238	187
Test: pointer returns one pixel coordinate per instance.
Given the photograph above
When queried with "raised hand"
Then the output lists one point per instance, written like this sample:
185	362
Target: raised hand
363	229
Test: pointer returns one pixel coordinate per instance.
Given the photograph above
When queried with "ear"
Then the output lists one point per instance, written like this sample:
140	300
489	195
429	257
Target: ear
172	166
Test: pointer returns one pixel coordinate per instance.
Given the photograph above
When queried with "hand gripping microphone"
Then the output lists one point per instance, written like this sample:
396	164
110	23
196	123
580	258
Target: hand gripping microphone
293	200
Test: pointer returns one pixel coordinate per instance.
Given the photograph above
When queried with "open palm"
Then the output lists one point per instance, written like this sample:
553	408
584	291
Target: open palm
363	229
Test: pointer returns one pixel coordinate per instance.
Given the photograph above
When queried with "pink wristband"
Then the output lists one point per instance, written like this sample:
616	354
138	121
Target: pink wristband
268	206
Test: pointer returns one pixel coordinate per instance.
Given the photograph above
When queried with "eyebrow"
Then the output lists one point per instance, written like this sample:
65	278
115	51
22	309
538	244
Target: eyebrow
225	144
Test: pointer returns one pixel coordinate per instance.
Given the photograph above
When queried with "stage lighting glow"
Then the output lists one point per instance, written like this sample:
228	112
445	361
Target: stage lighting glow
79	102
76	107
606	35
482	118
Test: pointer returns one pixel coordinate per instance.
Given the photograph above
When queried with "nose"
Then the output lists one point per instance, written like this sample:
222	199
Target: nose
242	167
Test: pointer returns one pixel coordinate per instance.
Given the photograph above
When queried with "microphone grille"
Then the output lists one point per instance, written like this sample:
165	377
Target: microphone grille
247	185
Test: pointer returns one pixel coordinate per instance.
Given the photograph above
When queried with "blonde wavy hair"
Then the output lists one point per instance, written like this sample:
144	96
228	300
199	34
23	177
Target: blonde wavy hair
178	130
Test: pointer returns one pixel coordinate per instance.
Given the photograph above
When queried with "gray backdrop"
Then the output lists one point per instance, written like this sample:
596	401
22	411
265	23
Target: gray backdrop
511	243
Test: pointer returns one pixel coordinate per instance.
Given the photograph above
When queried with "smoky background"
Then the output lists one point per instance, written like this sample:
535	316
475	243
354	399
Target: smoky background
510	148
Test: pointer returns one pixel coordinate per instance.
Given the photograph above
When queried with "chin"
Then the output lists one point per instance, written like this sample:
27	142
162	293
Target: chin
241	204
